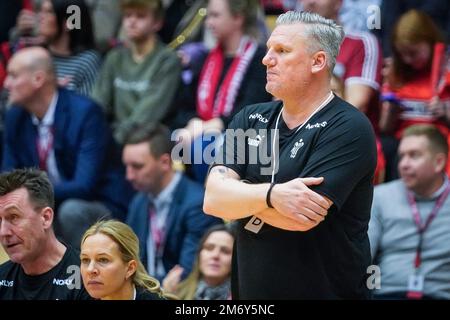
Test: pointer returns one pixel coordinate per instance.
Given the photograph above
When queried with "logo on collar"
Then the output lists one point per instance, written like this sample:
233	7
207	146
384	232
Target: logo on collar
296	147
256	141
317	125
259	117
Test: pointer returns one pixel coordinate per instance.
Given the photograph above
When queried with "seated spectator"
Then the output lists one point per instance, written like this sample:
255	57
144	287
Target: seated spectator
410	221
137	82
66	135
110	265
39	262
105	16
408	94
167	213
231	76
72	47
210	277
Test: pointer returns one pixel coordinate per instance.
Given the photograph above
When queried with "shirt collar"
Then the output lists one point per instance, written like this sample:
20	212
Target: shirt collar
166	194
437	193
49	117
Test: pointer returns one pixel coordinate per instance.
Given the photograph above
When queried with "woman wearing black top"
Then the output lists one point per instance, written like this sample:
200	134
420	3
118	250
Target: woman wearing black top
110	264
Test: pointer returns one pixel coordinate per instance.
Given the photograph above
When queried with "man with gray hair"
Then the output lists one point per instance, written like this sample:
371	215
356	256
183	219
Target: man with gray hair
323	159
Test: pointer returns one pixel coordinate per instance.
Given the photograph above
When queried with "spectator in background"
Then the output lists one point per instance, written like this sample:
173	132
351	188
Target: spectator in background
408	94
105	16
26	233
210	276
438	10
167	213
66	135
231	76
71	46
137	83
410	221
110	264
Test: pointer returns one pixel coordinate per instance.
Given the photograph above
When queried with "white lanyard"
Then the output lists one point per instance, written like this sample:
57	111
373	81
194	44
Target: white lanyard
255	224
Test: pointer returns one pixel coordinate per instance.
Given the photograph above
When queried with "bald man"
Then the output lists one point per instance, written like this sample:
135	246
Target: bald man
66	135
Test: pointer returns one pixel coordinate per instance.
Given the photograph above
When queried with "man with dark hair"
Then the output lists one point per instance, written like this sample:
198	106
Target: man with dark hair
66	135
41	267
167	213
410	223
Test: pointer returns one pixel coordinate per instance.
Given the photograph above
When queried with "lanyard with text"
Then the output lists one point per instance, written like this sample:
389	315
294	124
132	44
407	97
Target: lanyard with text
421	228
44	146
415	286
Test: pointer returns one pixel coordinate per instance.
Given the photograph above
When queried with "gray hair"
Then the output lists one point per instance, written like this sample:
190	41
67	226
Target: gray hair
327	34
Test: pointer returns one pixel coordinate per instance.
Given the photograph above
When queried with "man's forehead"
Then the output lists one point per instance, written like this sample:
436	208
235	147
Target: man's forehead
13	199
287	32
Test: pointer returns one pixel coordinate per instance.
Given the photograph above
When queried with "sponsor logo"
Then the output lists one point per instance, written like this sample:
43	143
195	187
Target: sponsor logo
296	147
6	283
316	126
255	142
259	117
62	282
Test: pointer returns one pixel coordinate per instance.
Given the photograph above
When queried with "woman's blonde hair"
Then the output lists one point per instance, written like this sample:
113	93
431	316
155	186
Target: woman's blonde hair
187	288
413	27
128	244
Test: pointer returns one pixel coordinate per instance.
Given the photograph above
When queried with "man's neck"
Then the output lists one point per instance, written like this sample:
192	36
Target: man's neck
50	255
165	181
429	189
298	110
41	102
140	50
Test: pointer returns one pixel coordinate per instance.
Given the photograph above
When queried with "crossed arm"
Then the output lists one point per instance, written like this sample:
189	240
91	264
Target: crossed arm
296	207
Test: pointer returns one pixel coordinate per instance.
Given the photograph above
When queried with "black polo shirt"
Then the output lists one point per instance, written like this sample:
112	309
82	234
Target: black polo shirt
329	261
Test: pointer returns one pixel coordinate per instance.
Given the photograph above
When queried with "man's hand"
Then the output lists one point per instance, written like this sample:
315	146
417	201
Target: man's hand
296	201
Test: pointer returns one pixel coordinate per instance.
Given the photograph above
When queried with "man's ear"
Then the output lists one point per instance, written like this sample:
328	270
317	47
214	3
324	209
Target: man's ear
166	161
47	215
440	162
38	78
319	62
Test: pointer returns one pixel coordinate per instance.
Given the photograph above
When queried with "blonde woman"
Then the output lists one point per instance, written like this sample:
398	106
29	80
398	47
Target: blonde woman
110	265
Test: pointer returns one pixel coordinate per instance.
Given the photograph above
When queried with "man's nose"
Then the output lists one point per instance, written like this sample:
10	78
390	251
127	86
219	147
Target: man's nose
268	59
5	230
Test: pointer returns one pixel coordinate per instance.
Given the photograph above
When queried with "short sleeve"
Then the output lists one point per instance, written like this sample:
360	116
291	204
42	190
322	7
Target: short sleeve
345	154
232	154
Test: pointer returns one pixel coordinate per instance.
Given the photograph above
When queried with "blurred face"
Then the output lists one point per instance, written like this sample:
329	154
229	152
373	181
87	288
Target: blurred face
288	62
326	8
220	20
48	25
417	55
139	23
22	227
215	257
105	275
144	171
20	81
418	167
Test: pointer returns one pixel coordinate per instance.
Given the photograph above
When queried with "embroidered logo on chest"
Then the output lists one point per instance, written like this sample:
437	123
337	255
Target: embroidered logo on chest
296	147
256	141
